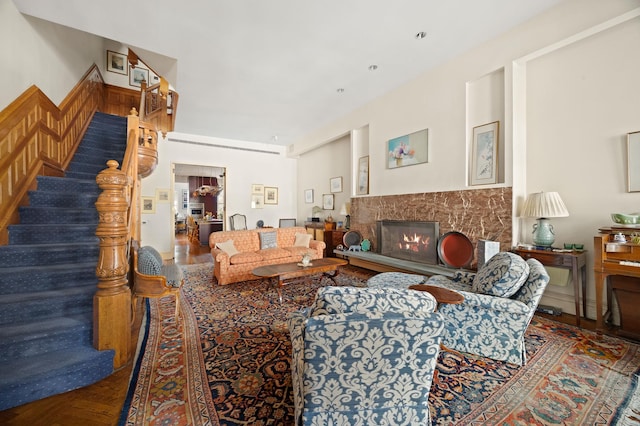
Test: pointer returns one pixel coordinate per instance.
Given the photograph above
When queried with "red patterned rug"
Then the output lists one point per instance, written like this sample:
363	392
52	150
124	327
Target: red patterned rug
227	363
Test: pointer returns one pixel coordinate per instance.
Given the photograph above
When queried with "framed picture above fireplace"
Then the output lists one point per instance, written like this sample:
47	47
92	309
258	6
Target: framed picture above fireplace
408	150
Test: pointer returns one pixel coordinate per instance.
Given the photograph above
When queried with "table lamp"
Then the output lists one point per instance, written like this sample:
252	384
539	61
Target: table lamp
543	205
346	211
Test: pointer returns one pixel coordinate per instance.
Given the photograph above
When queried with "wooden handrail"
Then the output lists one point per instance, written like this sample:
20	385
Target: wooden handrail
39	138
158	105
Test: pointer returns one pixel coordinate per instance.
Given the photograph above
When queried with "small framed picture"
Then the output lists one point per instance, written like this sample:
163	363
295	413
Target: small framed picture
185	196
327	201
484	154
162	195
335	184
270	195
117	62
137	75
308	196
257	189
148	204
363	176
257	201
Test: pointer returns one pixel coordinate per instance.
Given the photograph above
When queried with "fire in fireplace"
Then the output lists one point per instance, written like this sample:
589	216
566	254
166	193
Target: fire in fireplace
409	240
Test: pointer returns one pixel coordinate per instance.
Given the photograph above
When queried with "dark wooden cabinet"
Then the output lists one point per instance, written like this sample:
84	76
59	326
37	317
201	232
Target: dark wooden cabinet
332	238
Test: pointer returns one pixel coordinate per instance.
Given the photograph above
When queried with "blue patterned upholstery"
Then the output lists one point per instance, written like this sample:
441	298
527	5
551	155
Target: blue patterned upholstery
502	275
149	261
268	240
484	325
362	357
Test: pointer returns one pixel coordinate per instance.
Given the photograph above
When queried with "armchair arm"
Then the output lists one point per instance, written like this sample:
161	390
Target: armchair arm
463	277
495	304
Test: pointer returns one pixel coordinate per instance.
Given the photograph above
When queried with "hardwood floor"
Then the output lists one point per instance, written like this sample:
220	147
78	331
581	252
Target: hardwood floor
101	403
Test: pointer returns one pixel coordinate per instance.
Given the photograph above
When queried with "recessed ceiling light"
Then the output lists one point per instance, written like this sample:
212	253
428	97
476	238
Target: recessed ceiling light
373	67
421	35
340	90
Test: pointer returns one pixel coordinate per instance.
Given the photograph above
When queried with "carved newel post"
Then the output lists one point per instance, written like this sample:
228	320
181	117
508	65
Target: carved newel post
112	301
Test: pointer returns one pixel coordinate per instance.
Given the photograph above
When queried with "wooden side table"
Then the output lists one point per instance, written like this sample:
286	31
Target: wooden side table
332	239
576	261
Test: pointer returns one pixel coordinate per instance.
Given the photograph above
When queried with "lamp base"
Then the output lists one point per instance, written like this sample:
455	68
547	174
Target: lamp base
347	222
543	233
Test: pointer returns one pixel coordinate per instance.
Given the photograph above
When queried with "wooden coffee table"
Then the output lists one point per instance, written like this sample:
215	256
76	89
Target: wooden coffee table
289	271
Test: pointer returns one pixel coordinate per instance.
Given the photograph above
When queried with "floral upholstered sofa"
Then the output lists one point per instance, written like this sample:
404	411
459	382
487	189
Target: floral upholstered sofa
237	253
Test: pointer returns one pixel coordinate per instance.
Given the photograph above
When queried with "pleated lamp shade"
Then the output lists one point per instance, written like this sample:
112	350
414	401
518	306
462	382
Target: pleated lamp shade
544	205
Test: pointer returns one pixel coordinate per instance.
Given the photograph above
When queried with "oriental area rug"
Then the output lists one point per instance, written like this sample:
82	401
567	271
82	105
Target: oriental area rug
226	362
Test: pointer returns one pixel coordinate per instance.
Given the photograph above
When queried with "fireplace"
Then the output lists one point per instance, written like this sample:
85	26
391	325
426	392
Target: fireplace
409	240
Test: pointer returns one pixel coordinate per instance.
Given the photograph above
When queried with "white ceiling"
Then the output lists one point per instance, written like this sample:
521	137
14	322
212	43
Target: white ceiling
269	70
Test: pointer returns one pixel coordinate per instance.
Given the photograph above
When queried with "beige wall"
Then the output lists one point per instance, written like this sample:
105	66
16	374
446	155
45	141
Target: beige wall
569	96
39	52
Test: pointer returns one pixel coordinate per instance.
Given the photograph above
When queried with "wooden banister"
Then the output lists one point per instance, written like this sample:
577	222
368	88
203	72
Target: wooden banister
39	138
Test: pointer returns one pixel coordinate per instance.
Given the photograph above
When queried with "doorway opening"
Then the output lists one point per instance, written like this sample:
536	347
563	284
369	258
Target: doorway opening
199	201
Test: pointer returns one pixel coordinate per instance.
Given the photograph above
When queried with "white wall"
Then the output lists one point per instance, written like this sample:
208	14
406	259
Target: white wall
37	52
246	163
316	170
566	112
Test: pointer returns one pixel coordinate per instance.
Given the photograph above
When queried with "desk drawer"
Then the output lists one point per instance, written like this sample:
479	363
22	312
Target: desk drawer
551	259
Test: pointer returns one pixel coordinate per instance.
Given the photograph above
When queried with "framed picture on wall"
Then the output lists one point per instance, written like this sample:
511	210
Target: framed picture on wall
408	150
363	176
327	201
162	195
308	196
257	201
484	154
335	184
257	189
270	195
137	75
117	62
148	204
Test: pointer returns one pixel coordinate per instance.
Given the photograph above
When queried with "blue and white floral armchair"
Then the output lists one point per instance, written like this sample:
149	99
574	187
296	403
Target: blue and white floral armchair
364	356
499	302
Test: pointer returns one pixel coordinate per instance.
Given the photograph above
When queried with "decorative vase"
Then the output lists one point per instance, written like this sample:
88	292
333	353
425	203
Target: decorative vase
543	233
398	161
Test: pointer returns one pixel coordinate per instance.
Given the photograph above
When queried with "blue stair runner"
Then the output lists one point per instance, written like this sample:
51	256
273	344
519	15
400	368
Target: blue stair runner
48	279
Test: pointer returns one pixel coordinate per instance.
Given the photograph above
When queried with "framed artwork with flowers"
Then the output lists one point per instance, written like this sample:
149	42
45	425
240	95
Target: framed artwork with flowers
484	154
408	150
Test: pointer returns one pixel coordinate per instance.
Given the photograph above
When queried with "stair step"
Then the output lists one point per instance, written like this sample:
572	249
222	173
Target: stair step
25	307
24	380
65	184
48	233
62	199
37	337
57	215
48	254
47	277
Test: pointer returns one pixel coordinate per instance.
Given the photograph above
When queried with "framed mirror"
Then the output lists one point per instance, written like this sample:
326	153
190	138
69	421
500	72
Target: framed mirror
633	161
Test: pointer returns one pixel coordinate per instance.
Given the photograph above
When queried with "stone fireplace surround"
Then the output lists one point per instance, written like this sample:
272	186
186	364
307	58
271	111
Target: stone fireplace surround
477	213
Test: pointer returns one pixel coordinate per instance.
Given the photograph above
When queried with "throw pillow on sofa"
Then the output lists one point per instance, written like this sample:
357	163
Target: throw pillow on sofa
502	275
302	240
228	247
268	240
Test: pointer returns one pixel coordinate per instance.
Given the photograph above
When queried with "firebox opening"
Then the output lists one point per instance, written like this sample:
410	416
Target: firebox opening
409	240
